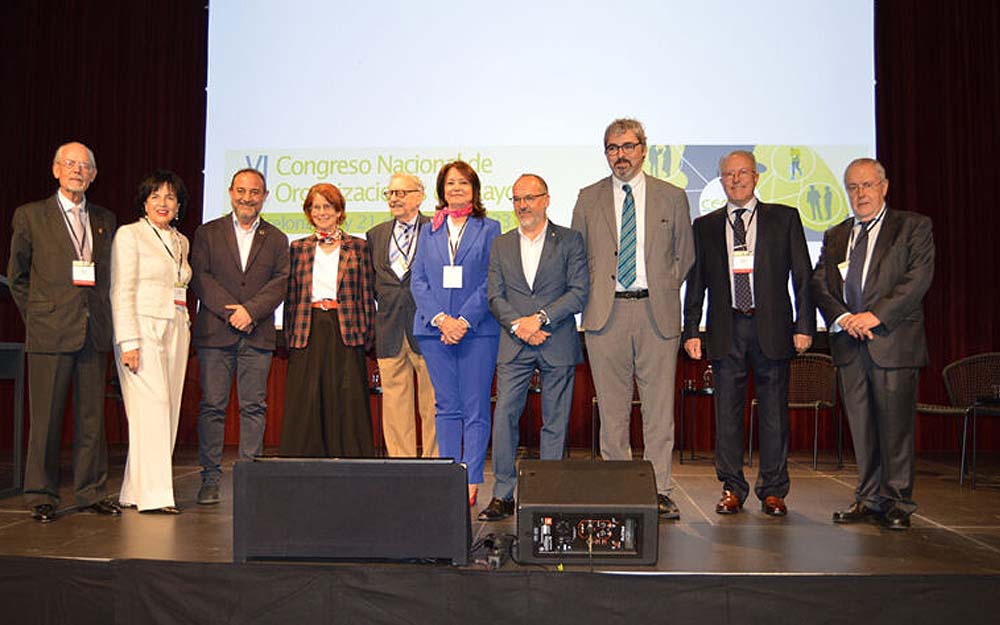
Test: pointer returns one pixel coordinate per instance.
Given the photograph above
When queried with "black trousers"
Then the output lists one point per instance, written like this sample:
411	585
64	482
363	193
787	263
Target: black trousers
770	378
327	413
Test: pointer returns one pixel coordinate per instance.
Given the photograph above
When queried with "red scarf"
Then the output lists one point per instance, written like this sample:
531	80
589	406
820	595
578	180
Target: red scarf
324	238
439	216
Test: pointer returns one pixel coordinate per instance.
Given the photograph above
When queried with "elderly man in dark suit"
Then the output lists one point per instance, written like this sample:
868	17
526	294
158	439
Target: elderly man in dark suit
637	230
240	275
869	284
744	255
392	245
537	284
59	273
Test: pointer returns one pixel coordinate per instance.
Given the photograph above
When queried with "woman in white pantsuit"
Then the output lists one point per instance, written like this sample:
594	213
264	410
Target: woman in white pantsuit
149	278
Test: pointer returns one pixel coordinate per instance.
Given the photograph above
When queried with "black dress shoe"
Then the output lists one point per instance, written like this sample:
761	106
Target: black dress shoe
163	510
667	508
895	519
44	513
104	506
857	513
497	510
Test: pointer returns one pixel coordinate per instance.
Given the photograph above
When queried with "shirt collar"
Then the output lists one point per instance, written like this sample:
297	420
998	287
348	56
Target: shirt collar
637	181
239	228
878	217
541	234
750	206
67	204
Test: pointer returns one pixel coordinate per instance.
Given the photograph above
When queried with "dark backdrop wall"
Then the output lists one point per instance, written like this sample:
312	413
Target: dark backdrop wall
128	79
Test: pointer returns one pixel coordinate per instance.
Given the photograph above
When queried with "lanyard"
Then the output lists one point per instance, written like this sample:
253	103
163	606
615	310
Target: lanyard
79	246
167	247
866	227
413	239
453	248
746	229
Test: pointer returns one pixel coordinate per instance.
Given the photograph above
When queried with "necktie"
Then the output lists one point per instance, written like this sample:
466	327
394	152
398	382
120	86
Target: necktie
855	267
81	232
626	243
741	281
400	245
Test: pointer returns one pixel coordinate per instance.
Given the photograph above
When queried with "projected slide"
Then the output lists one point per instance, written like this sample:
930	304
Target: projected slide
311	91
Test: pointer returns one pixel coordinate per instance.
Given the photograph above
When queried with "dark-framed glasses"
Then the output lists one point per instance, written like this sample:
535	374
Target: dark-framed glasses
628	148
400	193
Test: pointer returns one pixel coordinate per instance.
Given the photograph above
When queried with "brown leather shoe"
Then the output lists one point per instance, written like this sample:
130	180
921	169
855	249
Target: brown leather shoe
729	504
774	506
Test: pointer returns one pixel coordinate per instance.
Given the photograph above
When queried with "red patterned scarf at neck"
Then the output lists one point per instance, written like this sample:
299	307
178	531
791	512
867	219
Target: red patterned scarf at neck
325	238
462	211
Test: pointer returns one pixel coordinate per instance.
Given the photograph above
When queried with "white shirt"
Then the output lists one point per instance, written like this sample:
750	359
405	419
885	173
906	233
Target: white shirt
395	240
455	233
638	184
531	252
67	205
325	268
751	239
244	239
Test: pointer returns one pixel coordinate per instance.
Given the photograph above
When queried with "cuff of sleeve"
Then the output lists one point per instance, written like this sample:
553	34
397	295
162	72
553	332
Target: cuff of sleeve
127	346
436	321
465	321
836	327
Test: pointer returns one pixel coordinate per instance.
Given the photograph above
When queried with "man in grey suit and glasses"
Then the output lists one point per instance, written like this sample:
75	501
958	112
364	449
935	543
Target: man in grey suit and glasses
59	272
637	230
869	284
537	284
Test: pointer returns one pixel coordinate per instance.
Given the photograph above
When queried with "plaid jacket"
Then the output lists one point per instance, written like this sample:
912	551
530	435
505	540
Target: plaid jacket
355	297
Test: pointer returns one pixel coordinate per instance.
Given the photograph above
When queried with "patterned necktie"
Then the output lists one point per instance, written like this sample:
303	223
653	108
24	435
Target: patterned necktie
626	244
81	231
855	267
400	245
741	281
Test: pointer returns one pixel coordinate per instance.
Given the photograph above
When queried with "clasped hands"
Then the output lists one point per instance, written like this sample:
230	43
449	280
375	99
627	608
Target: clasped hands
452	330
529	330
860	325
240	318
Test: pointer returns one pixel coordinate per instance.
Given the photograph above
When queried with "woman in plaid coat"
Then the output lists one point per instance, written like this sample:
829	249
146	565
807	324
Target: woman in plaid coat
329	325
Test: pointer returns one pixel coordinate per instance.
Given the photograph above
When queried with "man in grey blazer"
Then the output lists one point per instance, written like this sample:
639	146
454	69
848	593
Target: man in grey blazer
537	284
59	273
392	245
637	230
869	284
745	253
240	268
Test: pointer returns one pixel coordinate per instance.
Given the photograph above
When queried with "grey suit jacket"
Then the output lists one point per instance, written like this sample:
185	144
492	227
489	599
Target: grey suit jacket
57	314
669	251
899	273
780	251
396	309
560	288
217	279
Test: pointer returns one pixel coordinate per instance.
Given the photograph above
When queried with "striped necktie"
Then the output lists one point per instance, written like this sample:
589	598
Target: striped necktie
399	246
626	242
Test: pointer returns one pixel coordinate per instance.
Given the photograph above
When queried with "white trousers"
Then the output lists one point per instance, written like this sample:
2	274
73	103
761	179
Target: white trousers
153	405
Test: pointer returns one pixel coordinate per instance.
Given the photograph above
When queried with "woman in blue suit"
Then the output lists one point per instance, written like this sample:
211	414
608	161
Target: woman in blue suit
456	331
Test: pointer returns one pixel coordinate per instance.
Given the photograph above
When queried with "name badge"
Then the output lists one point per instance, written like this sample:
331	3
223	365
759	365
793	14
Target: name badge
742	262
400	267
83	273
180	295
843	270
452	278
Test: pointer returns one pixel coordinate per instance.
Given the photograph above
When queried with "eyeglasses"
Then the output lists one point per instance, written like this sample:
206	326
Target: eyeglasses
517	199
628	148
866	186
69	163
739	173
400	193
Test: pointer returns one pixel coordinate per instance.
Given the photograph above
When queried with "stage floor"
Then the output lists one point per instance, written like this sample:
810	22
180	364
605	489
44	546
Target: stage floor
955	531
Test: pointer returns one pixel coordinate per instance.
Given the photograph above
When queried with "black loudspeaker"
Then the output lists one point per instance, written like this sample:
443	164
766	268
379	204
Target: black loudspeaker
599	512
339	509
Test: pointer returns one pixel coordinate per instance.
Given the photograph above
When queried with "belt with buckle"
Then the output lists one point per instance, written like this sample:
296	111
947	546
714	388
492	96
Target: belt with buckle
325	304
746	313
640	294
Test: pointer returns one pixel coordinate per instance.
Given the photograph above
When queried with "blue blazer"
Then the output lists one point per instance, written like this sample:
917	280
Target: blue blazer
427	275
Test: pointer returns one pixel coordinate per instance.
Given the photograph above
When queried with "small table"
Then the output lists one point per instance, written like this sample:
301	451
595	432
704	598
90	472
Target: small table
693	393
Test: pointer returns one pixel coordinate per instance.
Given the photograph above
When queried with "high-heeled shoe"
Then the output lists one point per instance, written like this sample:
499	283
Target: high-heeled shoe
473	493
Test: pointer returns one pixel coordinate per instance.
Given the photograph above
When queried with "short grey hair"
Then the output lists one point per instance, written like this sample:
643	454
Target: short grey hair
623	125
90	153
399	175
879	169
745	153
540	180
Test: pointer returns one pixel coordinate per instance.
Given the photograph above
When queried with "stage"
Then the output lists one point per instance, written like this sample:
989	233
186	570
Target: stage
746	568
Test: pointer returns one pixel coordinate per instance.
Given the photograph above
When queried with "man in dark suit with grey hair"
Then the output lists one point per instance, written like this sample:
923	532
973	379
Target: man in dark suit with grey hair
59	273
869	284
745	253
538	282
